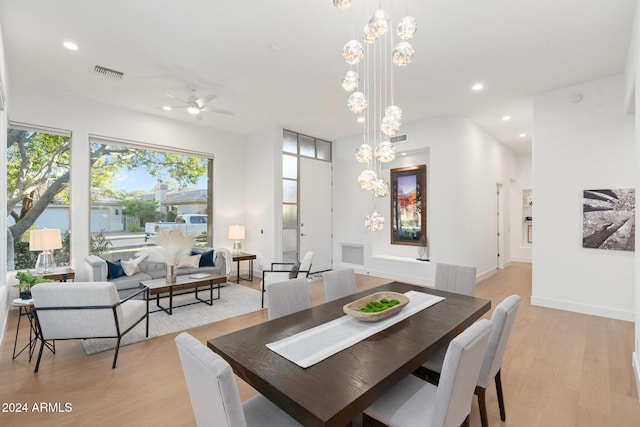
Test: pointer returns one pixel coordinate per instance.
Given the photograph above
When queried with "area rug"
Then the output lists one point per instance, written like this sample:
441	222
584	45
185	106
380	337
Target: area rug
234	300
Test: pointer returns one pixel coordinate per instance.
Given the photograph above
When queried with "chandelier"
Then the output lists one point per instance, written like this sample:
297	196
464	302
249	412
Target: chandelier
371	56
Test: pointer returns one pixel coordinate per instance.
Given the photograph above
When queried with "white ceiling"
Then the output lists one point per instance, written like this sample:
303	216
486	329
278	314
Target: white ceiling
517	48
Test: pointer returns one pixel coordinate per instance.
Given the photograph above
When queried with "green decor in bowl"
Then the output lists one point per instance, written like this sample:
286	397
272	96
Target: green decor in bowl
376	306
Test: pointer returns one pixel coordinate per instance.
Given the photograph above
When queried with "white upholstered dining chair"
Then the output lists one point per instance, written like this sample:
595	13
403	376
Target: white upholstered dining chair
339	283
414	401
214	393
502	321
287	297
281	271
459	279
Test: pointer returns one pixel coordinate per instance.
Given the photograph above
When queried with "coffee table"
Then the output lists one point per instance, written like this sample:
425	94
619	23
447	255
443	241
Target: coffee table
161	289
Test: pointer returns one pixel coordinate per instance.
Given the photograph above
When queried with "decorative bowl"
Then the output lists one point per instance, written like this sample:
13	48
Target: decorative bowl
353	308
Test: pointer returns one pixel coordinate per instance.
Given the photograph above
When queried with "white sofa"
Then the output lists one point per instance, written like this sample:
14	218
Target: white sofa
97	269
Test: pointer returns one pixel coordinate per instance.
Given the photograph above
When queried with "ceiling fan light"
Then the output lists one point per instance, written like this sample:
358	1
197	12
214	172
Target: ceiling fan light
193	109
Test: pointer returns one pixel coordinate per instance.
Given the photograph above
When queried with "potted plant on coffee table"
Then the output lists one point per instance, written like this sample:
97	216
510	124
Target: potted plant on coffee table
27	280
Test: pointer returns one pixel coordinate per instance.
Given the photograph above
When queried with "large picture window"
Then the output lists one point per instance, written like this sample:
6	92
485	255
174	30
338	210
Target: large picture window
37	192
136	191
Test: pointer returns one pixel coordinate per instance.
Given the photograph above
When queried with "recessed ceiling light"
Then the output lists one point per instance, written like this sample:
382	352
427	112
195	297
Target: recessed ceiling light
477	87
70	45
360	119
167	108
523	135
506	118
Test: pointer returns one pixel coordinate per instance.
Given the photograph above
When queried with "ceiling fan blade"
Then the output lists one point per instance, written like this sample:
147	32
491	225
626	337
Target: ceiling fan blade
218	110
201	102
199	116
176	98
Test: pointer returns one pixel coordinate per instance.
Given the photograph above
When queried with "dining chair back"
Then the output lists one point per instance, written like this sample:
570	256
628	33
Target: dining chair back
502	320
214	393
281	271
448	404
460	279
287	297
339	283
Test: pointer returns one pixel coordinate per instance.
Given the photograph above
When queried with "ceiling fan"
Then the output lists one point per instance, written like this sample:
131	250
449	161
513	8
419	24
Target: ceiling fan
196	106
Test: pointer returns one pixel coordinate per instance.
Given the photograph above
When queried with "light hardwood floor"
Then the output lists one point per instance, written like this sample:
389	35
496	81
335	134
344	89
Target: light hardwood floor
560	369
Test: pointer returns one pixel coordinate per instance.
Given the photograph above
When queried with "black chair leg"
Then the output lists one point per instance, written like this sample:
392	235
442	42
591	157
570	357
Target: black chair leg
39	356
482	405
503	414
115	356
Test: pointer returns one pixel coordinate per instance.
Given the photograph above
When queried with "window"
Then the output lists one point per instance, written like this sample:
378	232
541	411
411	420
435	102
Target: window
148	186
295	145
37	191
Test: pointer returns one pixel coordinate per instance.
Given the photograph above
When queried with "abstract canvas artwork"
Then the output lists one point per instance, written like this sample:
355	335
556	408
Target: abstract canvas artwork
608	219
408	206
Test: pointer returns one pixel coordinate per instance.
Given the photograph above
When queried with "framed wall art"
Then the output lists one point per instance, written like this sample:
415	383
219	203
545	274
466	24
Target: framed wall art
608	219
409	205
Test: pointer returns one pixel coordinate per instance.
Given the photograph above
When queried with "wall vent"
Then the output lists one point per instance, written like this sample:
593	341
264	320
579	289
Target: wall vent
107	72
399	138
352	254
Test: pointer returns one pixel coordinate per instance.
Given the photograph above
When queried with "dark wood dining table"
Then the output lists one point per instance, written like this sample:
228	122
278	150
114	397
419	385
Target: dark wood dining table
336	390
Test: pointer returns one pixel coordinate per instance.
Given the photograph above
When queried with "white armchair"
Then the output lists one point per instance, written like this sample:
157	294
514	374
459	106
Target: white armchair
281	271
81	310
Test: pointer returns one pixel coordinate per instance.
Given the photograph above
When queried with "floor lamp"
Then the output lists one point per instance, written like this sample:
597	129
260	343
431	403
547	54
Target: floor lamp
45	240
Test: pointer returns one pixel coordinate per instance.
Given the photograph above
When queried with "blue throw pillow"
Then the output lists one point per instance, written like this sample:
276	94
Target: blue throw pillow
115	269
206	260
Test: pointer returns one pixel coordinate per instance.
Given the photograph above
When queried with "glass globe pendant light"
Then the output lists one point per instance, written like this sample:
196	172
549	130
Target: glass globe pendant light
350	81
342	4
407	27
379	22
366	179
380	188
374	221
402	54
364	153
385	152
357	102
353	52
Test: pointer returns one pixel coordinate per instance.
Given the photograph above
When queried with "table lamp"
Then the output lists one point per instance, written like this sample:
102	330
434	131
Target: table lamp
45	240
236	233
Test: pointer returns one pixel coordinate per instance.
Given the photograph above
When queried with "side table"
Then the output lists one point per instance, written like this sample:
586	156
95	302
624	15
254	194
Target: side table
24	309
243	256
61	274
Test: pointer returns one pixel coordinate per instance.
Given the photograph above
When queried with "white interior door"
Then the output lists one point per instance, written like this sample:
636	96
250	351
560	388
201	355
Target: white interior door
315	212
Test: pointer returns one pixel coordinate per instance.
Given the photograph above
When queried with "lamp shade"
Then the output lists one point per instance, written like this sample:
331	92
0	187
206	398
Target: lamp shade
236	232
45	239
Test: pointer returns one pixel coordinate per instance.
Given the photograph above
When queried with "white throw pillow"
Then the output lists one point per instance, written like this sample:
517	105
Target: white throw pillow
132	266
192	261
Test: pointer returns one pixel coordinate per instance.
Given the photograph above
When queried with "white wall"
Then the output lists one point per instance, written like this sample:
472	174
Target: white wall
4	290
520	250
580	146
264	197
464	164
84	118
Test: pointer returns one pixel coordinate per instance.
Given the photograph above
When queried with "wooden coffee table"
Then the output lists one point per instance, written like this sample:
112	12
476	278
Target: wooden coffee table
189	283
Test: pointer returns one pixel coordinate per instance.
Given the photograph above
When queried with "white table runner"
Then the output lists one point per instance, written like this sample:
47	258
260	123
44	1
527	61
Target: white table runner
309	347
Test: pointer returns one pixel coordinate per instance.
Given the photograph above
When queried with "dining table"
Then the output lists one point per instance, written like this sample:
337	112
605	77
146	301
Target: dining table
337	389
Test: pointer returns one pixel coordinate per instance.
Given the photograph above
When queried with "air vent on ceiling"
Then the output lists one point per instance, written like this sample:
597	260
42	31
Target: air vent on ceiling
107	72
399	138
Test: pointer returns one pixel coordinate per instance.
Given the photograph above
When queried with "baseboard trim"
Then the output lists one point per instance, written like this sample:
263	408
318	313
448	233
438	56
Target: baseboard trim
592	310
486	274
517	259
635	362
